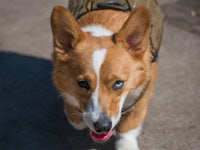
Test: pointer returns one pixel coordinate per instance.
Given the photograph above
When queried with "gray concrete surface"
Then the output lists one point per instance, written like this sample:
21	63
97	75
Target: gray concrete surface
31	115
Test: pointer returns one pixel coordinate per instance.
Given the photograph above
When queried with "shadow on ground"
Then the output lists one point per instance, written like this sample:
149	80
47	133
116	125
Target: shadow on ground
31	112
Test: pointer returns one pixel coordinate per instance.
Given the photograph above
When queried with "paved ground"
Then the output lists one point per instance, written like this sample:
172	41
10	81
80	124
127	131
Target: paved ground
31	116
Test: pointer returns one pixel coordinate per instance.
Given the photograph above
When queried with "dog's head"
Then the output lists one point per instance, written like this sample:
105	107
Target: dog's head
95	69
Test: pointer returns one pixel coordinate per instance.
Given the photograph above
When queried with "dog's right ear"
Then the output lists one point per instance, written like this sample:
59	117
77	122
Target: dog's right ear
66	32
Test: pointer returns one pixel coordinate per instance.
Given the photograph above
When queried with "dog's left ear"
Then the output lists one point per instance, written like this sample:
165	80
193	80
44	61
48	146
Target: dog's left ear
134	34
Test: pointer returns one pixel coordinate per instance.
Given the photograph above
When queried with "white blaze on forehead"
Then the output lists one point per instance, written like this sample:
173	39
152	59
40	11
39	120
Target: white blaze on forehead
97	30
94	110
98	58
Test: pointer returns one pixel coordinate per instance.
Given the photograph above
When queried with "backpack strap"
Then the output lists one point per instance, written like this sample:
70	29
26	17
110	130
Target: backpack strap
81	7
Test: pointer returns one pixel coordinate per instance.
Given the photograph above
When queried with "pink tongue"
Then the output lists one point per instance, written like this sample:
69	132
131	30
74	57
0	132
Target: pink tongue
101	137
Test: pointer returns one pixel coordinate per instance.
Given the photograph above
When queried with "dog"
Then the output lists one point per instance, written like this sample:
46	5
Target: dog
104	71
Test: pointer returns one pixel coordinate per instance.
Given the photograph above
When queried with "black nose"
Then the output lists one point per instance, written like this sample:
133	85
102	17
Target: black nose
103	124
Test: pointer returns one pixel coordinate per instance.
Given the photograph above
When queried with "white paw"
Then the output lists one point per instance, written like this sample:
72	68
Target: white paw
124	144
128	140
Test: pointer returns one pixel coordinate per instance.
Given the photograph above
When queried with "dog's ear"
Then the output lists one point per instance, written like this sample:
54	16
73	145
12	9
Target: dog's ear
66	31
134	34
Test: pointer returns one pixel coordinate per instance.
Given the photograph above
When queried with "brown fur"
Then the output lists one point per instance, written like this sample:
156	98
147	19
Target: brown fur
128	58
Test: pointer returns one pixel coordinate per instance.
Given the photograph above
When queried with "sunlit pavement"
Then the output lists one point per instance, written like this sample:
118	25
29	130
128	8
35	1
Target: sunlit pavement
31	112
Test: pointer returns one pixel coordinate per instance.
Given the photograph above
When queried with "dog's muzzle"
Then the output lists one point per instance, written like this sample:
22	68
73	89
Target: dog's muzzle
99	123
103	125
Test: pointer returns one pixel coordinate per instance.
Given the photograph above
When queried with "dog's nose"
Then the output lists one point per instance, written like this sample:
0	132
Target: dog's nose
104	124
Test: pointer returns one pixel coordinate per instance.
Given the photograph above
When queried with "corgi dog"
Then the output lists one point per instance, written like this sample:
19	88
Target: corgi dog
103	70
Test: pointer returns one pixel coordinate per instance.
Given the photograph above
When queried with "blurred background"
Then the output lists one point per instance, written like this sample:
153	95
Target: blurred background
31	112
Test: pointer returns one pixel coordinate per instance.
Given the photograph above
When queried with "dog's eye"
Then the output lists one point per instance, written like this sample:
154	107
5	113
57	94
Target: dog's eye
84	85
118	85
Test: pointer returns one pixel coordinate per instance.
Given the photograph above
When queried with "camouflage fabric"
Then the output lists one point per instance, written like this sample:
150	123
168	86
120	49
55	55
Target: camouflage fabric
81	7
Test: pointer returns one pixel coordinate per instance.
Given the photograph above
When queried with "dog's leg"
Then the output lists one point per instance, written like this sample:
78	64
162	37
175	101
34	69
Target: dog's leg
128	140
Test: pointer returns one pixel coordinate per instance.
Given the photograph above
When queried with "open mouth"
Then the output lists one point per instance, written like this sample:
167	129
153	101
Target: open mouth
101	137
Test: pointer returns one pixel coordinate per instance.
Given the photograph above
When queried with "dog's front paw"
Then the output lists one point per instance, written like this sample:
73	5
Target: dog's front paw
128	140
125	144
